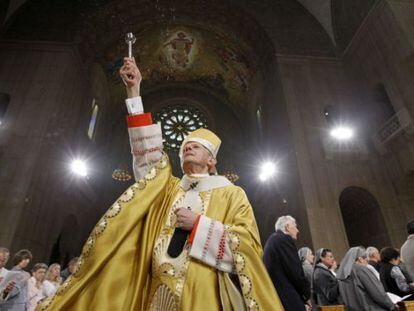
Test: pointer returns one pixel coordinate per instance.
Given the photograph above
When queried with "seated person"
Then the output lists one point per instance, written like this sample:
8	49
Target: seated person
325	284
359	288
391	275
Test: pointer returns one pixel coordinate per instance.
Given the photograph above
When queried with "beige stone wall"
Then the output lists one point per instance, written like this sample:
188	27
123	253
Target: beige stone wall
44	126
381	52
308	86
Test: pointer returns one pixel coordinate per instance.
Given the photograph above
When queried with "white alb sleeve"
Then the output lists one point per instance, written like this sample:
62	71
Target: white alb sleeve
211	245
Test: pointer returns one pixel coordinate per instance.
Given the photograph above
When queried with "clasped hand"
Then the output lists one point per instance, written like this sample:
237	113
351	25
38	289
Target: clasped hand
185	219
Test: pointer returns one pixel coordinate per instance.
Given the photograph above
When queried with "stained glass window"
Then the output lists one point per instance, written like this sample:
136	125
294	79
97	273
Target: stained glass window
177	122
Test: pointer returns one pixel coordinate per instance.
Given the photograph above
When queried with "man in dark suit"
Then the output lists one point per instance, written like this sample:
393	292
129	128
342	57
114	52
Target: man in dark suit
285	269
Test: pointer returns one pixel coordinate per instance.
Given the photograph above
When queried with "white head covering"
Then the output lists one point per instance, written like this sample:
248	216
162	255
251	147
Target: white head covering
317	258
303	253
348	261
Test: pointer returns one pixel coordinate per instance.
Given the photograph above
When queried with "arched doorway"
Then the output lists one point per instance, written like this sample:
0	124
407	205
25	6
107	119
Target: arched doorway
363	220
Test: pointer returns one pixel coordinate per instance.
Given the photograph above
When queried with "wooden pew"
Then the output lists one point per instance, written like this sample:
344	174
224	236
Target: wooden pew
406	305
332	308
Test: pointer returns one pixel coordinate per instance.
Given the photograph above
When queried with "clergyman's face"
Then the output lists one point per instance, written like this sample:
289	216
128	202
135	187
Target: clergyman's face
196	154
4	257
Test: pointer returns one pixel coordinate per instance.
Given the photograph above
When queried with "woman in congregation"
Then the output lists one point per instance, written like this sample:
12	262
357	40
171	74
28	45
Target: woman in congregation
306	258
52	280
16	299
34	286
359	288
391	275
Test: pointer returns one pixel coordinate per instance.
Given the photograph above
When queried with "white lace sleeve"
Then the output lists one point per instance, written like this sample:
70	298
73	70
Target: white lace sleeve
211	245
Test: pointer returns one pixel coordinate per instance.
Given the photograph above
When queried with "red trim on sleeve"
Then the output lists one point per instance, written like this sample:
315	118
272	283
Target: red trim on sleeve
193	232
138	120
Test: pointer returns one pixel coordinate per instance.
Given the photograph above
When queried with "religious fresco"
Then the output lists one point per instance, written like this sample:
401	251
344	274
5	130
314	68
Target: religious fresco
185	54
179	51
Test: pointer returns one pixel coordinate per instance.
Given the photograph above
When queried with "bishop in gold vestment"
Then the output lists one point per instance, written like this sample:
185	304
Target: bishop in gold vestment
126	263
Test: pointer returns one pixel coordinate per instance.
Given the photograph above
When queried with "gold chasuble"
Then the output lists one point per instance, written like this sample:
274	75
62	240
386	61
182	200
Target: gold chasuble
124	264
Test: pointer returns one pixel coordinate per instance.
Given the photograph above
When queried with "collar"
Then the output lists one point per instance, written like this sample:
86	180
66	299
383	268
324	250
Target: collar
411	236
322	266
198	175
203	183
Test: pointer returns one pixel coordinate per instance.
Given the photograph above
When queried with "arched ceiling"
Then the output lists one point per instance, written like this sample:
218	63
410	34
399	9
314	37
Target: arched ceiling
322	10
211	45
186	54
339	19
218	45
291	28
348	16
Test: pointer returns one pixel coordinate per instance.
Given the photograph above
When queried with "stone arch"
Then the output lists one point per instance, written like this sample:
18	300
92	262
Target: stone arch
363	219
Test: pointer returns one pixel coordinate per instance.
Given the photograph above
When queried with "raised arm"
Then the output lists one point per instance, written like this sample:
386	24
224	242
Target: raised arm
145	137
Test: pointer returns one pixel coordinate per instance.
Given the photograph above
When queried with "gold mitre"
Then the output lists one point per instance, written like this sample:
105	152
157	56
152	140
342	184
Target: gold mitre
205	137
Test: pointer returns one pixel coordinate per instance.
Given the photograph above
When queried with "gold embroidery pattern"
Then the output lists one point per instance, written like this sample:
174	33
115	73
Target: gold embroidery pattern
141	184
234	241
128	195
78	267
46	303
162	264
163	300
240	263
245	283
252	304
65	285
112	212
100	227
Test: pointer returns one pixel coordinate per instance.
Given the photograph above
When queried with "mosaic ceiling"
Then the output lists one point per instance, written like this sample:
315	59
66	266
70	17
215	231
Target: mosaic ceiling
219	45
186	54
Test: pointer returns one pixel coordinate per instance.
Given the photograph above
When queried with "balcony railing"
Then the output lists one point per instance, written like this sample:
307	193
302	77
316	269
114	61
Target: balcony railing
396	125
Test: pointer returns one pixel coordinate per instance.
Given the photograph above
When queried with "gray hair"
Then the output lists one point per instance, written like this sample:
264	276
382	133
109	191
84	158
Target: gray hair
283	221
4	250
371	250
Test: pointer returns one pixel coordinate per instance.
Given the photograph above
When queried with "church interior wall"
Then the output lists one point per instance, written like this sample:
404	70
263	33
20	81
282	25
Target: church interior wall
282	195
52	88
381	53
308	86
376	55
46	121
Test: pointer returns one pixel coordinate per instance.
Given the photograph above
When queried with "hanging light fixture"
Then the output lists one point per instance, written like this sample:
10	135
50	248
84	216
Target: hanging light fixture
121	174
232	176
